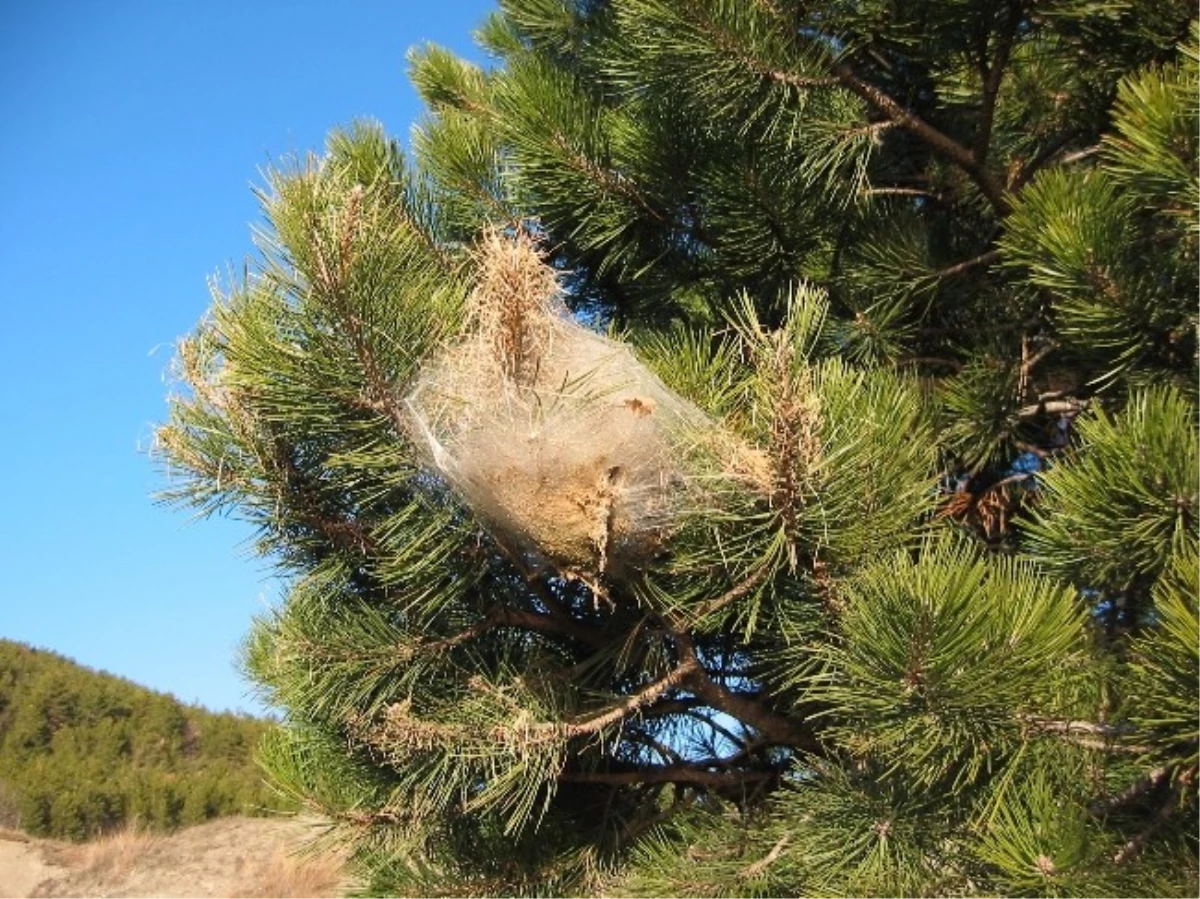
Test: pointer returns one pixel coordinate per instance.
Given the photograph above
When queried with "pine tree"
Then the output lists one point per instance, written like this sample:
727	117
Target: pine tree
916	607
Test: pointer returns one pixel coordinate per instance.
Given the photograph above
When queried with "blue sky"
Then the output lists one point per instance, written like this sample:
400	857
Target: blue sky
132	133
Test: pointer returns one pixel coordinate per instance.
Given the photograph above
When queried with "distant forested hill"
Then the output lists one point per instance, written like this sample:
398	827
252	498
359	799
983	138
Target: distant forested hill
82	752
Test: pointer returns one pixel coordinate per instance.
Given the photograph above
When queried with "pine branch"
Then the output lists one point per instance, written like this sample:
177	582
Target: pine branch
683	799
1053	407
400	729
983	259
675	706
1080	155
904	192
677	677
664	751
343	534
1141	787
331	280
1059	726
1030	361
754	870
801	82
607	180
1164	813
730	46
725	732
961	156
730	596
993	76
841	73
1025	172
679	774
507	616
774	727
1088	734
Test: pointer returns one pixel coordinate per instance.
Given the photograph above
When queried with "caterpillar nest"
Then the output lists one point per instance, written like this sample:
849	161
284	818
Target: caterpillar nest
557	438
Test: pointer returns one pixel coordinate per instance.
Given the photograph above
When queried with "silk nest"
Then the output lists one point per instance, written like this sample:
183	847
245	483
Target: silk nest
569	449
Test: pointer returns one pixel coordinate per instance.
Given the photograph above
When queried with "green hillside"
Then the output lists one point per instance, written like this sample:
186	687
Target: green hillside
82	752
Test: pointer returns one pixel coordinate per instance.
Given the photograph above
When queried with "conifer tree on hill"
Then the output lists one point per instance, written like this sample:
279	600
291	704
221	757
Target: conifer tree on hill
911	607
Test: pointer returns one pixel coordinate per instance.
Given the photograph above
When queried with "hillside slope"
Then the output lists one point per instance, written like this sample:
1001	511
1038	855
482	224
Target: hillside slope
231	857
83	752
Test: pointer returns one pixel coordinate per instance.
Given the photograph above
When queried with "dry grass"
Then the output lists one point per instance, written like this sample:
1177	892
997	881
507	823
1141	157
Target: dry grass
10	816
253	857
291	876
113	857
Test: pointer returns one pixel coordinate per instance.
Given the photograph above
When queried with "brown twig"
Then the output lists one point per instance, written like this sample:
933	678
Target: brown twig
681	774
1141	787
902	192
975	262
994	75
751	871
400	729
732	595
506	616
895	112
1164	813
1068	406
1025	172
961	156
1086	734
773	727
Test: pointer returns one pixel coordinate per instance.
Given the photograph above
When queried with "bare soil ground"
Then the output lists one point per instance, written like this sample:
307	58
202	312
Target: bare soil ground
253	857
